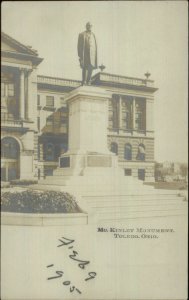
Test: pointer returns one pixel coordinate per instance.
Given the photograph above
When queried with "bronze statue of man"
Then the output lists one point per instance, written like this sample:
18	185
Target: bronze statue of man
87	52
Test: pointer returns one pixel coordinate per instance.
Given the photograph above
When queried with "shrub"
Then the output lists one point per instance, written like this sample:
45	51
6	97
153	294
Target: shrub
5	184
30	201
23	181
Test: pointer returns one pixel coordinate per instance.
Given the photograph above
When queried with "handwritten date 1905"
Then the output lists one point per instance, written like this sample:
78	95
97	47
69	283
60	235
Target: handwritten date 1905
74	256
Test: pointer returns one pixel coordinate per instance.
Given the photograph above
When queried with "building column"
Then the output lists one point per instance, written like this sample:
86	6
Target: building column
28	96
120	112
134	105
149	115
32	97
22	95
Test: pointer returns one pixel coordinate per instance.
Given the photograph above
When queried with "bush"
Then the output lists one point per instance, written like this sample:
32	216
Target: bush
5	184
183	187
23	182
39	202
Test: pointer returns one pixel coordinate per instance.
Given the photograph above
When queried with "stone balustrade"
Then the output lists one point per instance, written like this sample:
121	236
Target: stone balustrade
111	78
57	81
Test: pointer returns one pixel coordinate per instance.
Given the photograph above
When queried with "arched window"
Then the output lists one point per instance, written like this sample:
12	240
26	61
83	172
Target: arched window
49	152
10	148
141	152
128	152
114	148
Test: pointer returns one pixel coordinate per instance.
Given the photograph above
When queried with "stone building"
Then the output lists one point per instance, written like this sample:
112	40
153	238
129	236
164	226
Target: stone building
34	117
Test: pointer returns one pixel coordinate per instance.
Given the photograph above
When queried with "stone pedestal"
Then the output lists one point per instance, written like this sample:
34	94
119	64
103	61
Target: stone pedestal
88	119
88	165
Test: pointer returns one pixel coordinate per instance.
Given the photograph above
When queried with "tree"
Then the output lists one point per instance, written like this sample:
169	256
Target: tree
184	170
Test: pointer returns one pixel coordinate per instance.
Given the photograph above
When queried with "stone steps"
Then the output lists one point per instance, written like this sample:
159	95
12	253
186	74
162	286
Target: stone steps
103	217
120	204
66	180
149	195
140	207
128	202
104	208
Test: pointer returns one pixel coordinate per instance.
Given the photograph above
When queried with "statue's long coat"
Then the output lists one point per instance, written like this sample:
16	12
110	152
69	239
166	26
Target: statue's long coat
88	55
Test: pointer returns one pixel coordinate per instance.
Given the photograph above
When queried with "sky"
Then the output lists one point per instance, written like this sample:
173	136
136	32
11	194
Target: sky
132	36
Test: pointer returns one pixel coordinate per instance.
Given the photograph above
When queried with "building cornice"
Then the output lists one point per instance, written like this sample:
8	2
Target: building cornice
34	59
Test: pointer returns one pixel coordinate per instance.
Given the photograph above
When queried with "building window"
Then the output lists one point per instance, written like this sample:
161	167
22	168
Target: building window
128	172
38	151
127	114
141	174
39	173
64	148
38	100
114	148
10	89
48	171
114	113
63	119
141	152
38	123
62	101
50	101
128	152
49	152
140	116
10	148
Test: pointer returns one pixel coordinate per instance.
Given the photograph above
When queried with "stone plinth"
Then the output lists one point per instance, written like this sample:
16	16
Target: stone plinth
88	165
88	120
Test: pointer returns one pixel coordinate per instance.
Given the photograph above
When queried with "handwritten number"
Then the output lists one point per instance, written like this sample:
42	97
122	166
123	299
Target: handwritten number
74	254
50	266
91	275
64	243
78	291
66	283
72	288
83	264
59	273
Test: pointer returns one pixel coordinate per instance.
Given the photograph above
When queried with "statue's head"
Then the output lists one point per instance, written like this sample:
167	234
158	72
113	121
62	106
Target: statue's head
88	26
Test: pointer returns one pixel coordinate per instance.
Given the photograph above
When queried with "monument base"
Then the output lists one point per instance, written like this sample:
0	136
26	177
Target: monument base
89	167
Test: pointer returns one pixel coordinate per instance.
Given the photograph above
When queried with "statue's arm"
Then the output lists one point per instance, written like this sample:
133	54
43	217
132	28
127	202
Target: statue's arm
79	46
80	49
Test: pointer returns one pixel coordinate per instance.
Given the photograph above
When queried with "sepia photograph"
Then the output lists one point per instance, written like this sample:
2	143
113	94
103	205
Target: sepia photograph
94	150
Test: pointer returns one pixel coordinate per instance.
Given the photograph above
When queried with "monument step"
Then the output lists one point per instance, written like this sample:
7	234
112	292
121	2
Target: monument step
141	207
94	180
129	202
121	216
132	197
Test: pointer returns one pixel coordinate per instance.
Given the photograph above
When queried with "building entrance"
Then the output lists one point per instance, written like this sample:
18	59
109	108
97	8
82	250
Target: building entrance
10	162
